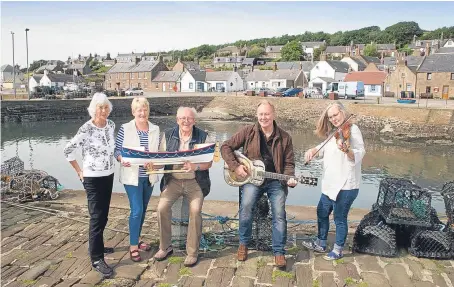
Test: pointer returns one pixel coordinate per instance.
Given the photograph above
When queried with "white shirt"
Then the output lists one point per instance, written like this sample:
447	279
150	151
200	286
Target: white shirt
97	146
339	172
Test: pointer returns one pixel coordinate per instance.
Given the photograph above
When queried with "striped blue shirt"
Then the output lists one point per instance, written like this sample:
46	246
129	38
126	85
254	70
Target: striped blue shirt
143	136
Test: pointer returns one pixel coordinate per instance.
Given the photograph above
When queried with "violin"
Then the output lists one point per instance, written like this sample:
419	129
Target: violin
342	136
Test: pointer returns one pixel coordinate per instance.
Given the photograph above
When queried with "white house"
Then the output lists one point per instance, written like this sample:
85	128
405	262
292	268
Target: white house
355	64
6	74
57	80
229	81
309	47
194	81
373	81
321	83
276	79
35	81
330	69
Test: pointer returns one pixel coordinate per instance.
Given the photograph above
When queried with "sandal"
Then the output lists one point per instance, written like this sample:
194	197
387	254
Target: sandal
144	247
135	258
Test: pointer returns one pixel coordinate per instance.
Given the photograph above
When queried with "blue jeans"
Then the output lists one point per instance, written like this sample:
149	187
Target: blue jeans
341	207
138	196
249	197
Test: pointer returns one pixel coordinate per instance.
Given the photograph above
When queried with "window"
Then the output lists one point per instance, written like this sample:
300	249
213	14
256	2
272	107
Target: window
140	75
191	85
452	76
373	88
157	85
388	88
428	89
408	87
132	75
429	76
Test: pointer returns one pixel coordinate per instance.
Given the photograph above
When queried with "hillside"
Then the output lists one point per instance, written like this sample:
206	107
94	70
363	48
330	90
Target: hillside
401	33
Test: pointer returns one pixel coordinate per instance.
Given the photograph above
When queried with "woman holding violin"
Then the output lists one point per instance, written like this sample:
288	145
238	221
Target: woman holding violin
342	152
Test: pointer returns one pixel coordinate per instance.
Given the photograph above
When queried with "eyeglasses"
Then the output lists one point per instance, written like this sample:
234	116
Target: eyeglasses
186	119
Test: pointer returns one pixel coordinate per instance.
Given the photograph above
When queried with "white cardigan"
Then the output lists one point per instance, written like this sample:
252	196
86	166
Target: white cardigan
339	172
130	175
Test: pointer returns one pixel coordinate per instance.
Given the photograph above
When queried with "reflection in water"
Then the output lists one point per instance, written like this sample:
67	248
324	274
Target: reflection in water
40	145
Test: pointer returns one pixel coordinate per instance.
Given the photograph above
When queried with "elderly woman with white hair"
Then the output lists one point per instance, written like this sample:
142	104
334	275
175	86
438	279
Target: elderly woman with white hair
342	157
141	134
96	140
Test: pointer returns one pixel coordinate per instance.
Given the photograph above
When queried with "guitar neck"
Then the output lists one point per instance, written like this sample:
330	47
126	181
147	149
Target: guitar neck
278	176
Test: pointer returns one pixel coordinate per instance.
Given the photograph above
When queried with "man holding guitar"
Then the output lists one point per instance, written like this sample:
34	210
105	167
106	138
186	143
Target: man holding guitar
269	143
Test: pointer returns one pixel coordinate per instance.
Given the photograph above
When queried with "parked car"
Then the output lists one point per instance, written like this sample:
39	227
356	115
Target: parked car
134	91
293	92
279	92
311	92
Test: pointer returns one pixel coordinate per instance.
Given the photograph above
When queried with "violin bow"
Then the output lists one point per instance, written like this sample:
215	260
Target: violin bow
332	134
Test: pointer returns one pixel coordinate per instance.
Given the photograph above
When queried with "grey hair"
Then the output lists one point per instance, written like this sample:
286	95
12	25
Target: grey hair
193	110
99	99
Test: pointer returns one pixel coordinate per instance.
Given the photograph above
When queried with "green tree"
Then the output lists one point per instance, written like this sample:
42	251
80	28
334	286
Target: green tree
36	64
406	50
292	51
255	52
204	51
371	50
317	52
403	32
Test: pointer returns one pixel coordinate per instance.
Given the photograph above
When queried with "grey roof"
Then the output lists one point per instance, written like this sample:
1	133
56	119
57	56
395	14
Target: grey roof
411	61
383	47
46	67
198	75
361	65
219	76
248	61
307	65
336	49
438	63
445	50
131	55
142	66
62	78
369	59
273	49
339	66
423	43
238	59
38	77
326	79
167	76
191	65
266	75
7	68
75	66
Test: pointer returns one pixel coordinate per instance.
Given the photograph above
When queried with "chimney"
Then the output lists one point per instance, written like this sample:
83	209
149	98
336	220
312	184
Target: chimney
301	65
252	68
275	66
46	72
427	50
441	39
323	56
235	68
137	60
160	58
414	39
357	51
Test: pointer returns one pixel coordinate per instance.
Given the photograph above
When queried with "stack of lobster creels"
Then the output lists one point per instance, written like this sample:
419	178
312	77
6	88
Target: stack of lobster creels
403	217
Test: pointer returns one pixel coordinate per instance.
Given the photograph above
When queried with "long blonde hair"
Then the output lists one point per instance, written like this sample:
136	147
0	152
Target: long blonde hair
324	126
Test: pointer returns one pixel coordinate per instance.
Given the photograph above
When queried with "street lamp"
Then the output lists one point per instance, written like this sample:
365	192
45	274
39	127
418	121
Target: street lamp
28	76
14	68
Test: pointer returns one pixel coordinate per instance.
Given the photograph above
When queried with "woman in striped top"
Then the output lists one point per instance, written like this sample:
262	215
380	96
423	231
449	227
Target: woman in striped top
139	133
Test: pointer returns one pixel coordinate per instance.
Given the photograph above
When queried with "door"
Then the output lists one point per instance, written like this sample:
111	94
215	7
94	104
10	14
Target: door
444	93
164	87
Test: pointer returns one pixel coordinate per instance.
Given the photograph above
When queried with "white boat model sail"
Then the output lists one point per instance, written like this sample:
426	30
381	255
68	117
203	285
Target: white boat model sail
200	154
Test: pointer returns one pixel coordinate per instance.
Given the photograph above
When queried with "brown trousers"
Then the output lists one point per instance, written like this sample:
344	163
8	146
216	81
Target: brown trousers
176	188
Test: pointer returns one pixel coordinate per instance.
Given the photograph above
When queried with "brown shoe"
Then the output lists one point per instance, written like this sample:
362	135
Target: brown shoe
242	252
279	261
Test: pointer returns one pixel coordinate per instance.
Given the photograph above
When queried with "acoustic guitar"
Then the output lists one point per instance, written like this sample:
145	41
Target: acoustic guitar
257	173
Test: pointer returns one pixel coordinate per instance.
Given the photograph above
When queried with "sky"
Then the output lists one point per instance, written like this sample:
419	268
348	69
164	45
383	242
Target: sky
62	29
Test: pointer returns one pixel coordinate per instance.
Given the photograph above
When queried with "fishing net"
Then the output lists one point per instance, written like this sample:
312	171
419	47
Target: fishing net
448	197
261	224
12	166
374	236
400	201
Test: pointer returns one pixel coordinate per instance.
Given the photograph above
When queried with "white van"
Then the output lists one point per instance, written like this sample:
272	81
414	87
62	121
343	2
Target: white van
350	90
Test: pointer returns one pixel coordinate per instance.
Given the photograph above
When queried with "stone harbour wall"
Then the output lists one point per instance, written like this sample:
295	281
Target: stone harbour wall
411	124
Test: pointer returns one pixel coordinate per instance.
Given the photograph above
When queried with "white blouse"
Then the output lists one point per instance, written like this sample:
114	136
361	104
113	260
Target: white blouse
340	172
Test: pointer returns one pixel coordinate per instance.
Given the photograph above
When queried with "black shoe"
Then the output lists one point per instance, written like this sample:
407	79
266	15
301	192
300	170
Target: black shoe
108	250
102	267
